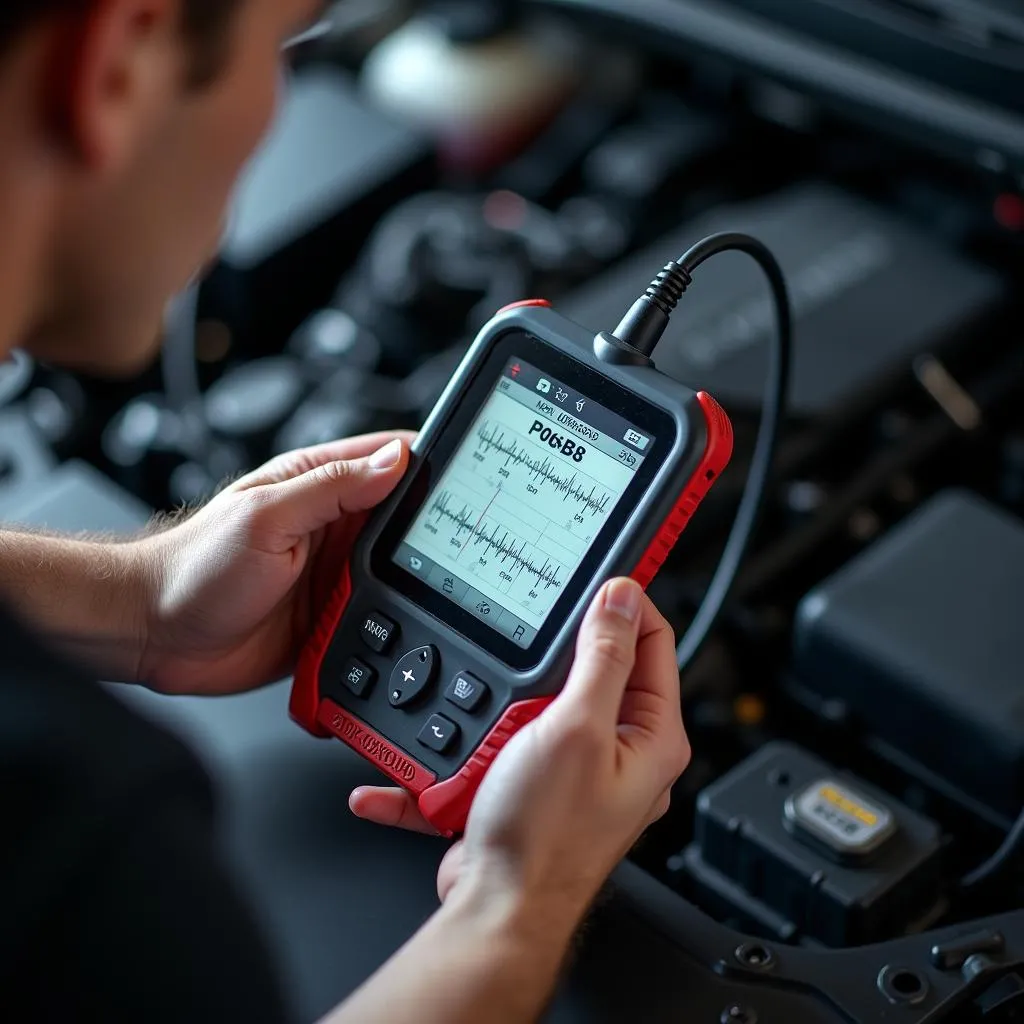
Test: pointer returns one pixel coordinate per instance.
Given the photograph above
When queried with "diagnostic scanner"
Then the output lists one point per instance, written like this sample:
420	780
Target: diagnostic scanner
553	462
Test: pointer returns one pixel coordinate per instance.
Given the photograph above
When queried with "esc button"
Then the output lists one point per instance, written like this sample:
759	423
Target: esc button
378	632
438	734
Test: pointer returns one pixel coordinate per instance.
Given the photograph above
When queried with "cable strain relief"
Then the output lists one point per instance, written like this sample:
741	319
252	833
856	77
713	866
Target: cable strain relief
610	349
669	287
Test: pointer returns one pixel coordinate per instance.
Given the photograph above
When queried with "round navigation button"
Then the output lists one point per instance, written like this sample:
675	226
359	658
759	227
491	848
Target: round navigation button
412	675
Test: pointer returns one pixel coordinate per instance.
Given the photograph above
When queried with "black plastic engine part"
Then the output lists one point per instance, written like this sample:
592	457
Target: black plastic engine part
15	375
643	159
805	852
331	168
921	639
254	399
24	458
942	74
331	340
75	498
869	292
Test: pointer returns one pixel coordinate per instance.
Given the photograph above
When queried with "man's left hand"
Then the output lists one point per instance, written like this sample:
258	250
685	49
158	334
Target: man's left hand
237	587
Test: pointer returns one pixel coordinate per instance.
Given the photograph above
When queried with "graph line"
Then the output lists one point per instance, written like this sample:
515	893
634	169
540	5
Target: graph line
507	547
481	519
541	470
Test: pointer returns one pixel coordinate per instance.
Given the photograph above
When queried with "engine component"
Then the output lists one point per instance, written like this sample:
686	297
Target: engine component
144	443
868	293
15	375
641	161
154	453
74	498
920	638
899	65
474	78
329	171
442	262
804	851
331	340
254	399
57	410
24	459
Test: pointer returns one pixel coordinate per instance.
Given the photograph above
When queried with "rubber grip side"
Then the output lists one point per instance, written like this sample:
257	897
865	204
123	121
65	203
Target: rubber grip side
304	704
446	805
717	454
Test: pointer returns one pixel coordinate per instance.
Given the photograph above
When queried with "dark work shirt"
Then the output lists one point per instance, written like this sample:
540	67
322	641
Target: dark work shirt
115	904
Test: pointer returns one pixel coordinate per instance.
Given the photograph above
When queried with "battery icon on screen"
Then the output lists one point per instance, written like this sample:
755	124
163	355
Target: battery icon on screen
637	440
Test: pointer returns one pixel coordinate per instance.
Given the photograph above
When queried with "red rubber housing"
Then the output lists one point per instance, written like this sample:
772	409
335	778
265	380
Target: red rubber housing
717	453
392	761
525	304
446	804
304	704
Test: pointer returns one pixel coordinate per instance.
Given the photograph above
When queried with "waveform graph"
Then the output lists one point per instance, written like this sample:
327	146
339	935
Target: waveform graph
533	473
518	507
505	553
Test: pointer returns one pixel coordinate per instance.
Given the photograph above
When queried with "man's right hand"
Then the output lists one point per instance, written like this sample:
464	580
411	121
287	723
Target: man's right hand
573	791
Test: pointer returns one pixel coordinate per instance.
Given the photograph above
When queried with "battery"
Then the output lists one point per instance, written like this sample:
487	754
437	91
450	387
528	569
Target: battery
807	852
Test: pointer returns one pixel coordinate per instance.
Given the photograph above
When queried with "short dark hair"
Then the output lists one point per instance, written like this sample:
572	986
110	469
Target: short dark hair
204	24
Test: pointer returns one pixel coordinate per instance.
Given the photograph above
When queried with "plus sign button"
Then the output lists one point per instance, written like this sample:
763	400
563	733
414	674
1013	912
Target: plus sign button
412	675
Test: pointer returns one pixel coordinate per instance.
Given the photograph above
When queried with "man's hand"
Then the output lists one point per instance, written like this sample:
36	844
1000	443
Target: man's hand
236	587
572	792
561	806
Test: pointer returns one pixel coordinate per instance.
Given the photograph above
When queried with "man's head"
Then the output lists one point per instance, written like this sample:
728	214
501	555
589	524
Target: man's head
123	126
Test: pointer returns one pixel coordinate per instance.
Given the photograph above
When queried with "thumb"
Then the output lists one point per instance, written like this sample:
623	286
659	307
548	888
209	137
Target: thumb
325	494
605	652
450	870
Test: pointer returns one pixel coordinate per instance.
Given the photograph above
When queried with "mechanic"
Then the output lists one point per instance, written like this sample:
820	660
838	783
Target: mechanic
123	124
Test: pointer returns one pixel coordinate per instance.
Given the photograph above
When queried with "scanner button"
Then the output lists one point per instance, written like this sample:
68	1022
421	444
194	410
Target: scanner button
358	677
439	733
378	632
466	692
412	675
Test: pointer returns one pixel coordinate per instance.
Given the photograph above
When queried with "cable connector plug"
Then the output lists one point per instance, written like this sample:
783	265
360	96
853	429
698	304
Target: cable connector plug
634	342
643	326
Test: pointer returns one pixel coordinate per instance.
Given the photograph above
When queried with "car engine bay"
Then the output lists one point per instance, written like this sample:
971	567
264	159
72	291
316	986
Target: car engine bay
843	846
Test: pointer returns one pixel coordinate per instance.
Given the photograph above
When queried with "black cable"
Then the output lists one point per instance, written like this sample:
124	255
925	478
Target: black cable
642	329
1012	846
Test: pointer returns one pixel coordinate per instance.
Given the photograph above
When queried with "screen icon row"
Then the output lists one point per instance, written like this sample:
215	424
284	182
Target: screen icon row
561	395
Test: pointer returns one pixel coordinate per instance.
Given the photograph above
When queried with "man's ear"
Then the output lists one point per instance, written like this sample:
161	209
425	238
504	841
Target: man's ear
115	65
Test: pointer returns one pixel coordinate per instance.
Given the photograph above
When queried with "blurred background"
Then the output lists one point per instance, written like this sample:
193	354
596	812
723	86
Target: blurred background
435	161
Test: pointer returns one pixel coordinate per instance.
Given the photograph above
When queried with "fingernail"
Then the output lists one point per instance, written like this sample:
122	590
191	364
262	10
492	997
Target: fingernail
623	598
388	457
